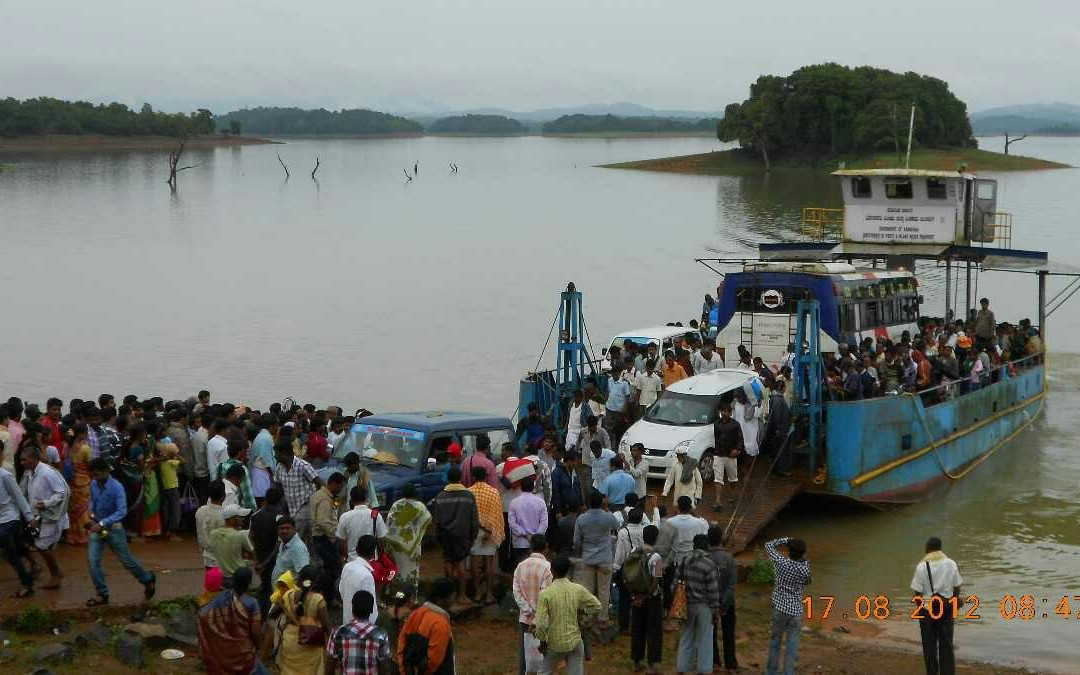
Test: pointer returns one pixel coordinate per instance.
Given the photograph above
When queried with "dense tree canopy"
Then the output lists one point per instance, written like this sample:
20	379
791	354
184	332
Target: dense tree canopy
52	116
295	121
829	110
477	124
589	124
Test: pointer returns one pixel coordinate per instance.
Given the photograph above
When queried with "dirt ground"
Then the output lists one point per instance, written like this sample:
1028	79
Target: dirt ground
483	647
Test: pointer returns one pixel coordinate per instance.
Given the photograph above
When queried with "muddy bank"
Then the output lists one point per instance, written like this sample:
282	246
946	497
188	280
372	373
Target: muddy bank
94	142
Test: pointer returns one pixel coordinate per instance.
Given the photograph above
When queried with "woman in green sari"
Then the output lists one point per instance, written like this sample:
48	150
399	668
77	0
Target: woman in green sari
406	523
151	520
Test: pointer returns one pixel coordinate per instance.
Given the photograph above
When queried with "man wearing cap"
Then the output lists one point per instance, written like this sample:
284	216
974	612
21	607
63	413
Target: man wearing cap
230	544
453	459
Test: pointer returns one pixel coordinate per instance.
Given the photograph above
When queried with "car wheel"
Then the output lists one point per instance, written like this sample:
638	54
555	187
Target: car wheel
705	466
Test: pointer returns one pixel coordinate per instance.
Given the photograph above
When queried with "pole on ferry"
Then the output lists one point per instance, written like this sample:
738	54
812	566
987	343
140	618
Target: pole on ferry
948	287
967	292
1042	306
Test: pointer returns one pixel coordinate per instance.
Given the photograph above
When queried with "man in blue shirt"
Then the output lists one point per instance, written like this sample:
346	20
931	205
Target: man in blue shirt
617	485
108	506
618	400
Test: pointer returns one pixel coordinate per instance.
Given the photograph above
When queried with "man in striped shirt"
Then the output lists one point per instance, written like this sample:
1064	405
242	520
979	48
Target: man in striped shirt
532	575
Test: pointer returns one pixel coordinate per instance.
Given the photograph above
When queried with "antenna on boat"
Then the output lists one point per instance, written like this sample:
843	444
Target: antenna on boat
910	132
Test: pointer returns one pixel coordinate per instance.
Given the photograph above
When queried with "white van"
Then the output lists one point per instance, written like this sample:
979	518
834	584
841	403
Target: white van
664	337
683	417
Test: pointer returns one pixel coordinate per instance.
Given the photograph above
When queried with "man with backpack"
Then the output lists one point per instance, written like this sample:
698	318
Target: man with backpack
642	573
628	542
426	643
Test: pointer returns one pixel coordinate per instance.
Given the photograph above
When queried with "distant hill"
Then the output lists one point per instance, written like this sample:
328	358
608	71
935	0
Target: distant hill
593	124
622	109
1031	118
296	121
493	125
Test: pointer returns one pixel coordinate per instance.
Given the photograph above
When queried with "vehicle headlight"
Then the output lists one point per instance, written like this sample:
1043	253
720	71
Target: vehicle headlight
684	445
624	445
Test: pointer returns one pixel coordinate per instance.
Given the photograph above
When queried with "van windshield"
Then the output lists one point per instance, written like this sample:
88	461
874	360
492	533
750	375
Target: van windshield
683	409
389	445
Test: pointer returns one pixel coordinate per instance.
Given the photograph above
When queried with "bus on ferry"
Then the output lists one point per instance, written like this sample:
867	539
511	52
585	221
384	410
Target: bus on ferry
757	307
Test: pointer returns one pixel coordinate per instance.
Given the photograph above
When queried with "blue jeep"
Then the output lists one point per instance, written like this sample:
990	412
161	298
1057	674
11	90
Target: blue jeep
395	448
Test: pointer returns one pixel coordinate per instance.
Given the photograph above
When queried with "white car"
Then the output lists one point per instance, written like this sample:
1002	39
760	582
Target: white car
683	417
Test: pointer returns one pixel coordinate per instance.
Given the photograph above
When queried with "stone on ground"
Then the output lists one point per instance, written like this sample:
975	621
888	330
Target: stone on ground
55	652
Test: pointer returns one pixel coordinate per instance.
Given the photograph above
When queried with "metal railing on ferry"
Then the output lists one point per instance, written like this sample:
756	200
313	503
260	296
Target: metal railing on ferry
959	381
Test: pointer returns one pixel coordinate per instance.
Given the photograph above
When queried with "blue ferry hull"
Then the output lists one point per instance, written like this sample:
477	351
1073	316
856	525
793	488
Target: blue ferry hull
893	450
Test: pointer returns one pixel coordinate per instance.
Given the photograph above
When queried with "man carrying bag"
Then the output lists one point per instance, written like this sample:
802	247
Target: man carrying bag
935	574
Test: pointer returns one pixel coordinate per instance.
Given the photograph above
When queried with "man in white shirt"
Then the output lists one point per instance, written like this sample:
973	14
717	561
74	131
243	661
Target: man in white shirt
208	518
748	415
648	385
599	462
357	574
706	360
638	467
936	579
687	526
574	419
217	448
358	522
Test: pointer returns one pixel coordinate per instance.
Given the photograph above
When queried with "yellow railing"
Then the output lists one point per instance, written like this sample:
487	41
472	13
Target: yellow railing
1003	229
817	221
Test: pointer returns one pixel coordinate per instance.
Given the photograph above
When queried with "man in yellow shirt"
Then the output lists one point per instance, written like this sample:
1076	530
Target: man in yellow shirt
557	613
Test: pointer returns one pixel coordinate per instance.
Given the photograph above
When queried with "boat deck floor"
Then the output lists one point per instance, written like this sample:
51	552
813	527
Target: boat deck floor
761	496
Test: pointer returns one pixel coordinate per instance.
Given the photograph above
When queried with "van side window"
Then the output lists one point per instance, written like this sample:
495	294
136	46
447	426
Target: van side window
860	186
898	189
935	188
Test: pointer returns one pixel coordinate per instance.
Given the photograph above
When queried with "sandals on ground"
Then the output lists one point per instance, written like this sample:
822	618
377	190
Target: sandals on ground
98	601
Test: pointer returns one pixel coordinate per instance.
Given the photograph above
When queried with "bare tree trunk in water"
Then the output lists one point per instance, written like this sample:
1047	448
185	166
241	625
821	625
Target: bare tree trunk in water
1009	142
174	161
282	163
765	156
315	169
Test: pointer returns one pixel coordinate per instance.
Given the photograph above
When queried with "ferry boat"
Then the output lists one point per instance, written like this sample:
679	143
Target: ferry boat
857	277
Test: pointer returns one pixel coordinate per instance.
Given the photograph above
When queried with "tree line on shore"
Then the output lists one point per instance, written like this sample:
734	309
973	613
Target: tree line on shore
831	111
44	115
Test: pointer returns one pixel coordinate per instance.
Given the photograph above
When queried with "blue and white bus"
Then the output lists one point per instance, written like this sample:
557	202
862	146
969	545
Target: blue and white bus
757	307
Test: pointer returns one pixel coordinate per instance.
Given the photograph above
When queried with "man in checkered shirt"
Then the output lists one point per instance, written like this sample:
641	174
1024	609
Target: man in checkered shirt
358	647
299	481
791	574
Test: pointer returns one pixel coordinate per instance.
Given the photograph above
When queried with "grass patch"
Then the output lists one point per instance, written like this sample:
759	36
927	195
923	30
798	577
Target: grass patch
762	573
33	619
739	162
170	608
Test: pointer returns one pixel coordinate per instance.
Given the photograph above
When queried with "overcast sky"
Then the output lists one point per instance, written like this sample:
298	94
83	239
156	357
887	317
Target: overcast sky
519	55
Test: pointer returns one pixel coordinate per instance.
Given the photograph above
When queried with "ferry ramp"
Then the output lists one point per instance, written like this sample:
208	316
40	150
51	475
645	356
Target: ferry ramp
761	496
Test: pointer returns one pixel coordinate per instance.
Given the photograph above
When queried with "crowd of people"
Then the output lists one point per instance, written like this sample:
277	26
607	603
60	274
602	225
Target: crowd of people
944	360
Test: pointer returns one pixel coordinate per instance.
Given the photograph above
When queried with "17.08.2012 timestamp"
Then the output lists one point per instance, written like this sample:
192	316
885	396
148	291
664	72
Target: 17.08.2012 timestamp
1010	608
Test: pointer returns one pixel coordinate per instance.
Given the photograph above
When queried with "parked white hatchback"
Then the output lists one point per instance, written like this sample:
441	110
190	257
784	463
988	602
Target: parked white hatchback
683	417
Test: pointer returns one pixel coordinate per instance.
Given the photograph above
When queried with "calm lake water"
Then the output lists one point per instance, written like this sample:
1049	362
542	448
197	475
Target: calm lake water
364	289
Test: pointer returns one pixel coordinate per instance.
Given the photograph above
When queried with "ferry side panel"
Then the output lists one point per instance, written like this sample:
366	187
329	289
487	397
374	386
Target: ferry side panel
878	450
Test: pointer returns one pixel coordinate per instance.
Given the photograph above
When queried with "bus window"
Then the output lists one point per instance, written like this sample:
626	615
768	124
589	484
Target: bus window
888	311
873	315
847	318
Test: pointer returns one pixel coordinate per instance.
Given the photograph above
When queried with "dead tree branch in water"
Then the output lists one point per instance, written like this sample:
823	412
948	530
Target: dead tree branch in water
283	166
408	178
1009	141
315	169
174	161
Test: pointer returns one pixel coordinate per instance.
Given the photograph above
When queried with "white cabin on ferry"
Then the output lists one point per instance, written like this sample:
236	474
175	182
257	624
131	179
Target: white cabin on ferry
917	206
